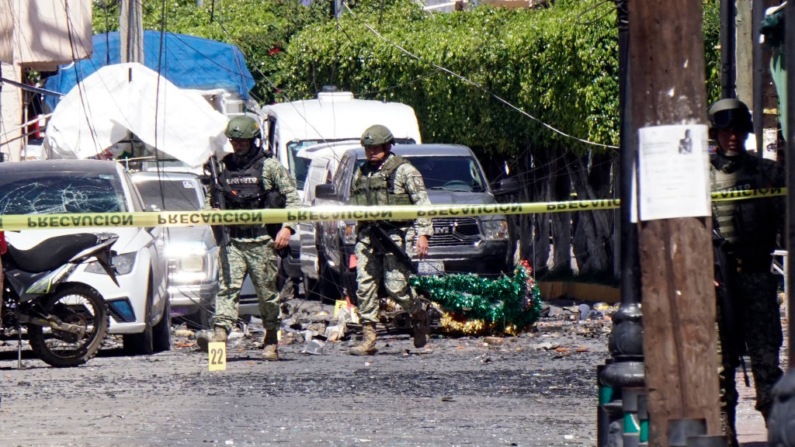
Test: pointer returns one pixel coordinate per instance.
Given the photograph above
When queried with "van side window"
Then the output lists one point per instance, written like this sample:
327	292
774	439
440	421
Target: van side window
344	176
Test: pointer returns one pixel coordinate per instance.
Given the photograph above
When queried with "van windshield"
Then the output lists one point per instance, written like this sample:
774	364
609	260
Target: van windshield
299	167
447	173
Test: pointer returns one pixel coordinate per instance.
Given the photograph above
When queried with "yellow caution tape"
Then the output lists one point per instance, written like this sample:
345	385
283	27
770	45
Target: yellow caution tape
321	213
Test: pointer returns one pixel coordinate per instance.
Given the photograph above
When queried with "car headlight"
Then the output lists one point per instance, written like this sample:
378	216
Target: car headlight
191	262
189	268
122	263
495	229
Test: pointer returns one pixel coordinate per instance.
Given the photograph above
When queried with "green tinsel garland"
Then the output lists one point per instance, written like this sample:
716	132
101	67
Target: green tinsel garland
503	303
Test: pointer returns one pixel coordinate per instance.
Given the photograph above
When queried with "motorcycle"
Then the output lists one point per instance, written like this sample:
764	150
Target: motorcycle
66	322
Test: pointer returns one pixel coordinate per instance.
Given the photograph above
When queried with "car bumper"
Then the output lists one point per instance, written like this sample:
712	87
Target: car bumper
485	259
186	298
292	263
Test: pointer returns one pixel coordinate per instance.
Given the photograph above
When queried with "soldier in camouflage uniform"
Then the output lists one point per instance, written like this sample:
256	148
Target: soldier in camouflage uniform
248	177
387	179
747	231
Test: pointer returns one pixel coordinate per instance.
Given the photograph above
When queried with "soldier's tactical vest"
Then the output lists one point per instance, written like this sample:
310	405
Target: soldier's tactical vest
748	225
377	188
374	188
244	190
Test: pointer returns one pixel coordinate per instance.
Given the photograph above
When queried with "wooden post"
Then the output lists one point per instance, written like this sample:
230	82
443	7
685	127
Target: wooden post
131	31
679	341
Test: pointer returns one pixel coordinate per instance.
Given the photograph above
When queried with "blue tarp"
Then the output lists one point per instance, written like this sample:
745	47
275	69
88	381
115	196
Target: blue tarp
188	62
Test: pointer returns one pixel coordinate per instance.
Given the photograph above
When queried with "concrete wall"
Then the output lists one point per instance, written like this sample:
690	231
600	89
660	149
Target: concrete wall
11	107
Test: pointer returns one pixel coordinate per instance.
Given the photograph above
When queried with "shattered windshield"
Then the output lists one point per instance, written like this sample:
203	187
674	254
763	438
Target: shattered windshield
450	173
169	195
60	193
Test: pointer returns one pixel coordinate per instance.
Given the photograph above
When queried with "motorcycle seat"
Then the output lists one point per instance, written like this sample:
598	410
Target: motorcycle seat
51	253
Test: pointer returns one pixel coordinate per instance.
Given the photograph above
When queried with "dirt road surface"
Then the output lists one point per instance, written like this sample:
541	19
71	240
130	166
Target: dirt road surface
535	389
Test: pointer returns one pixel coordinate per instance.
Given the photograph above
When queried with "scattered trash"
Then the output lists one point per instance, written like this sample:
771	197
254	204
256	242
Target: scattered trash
187	333
494	340
334	333
448	399
314	347
568	437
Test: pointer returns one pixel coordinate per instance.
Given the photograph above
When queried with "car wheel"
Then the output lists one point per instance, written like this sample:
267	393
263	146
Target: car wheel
142	343
329	283
161	332
311	288
200	319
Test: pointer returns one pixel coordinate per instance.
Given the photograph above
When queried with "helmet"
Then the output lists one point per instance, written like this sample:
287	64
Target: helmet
242	128
377	135
730	113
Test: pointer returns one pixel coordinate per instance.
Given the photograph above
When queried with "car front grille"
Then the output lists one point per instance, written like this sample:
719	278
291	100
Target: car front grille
456	231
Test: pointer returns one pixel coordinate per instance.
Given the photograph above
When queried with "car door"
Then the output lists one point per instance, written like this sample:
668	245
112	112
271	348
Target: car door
317	175
155	247
332	230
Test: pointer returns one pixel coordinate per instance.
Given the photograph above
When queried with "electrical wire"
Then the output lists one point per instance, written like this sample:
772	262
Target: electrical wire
475	84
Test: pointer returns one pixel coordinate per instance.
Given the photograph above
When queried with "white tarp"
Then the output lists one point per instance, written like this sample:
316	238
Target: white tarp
125	97
43	34
6	32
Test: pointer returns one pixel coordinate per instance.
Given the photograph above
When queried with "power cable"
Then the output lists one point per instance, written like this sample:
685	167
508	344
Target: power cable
86	108
475	84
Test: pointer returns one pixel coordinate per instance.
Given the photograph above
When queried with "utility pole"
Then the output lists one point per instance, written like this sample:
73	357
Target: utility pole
781	431
131	31
679	336
624	372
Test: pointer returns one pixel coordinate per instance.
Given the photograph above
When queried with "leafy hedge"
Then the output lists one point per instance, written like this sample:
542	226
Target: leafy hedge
261	29
558	64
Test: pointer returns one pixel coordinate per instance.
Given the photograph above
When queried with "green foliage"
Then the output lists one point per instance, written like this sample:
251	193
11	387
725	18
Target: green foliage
711	30
507	304
558	64
260	28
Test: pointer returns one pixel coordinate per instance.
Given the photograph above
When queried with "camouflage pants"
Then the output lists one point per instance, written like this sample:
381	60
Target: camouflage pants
371	269
761	324
258	260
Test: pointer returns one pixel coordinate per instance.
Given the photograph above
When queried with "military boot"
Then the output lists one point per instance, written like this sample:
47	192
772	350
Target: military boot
269	352
367	346
204	338
421	326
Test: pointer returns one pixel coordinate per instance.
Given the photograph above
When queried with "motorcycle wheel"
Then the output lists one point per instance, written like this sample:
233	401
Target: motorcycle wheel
74	304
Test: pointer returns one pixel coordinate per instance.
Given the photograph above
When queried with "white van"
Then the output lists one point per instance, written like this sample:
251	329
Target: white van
324	160
334	117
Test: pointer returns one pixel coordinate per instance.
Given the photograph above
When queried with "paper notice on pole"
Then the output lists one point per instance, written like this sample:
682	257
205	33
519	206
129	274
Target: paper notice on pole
673	172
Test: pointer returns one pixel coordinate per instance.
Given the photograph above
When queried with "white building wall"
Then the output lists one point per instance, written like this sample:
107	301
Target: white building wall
11	107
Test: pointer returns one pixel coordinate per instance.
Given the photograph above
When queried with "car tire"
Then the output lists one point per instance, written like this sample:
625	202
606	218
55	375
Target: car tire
200	319
161	332
329	283
311	288
143	343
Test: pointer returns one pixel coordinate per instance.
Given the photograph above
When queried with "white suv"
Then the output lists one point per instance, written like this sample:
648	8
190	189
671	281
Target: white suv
139	305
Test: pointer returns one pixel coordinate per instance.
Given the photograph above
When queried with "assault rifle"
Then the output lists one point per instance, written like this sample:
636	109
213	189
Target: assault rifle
729	324
383	244
221	232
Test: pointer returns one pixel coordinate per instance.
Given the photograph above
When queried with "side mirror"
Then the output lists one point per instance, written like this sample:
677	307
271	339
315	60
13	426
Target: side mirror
152	208
325	192
508	186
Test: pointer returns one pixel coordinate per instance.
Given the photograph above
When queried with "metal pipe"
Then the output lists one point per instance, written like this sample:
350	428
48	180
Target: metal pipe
789	48
758	14
727	47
